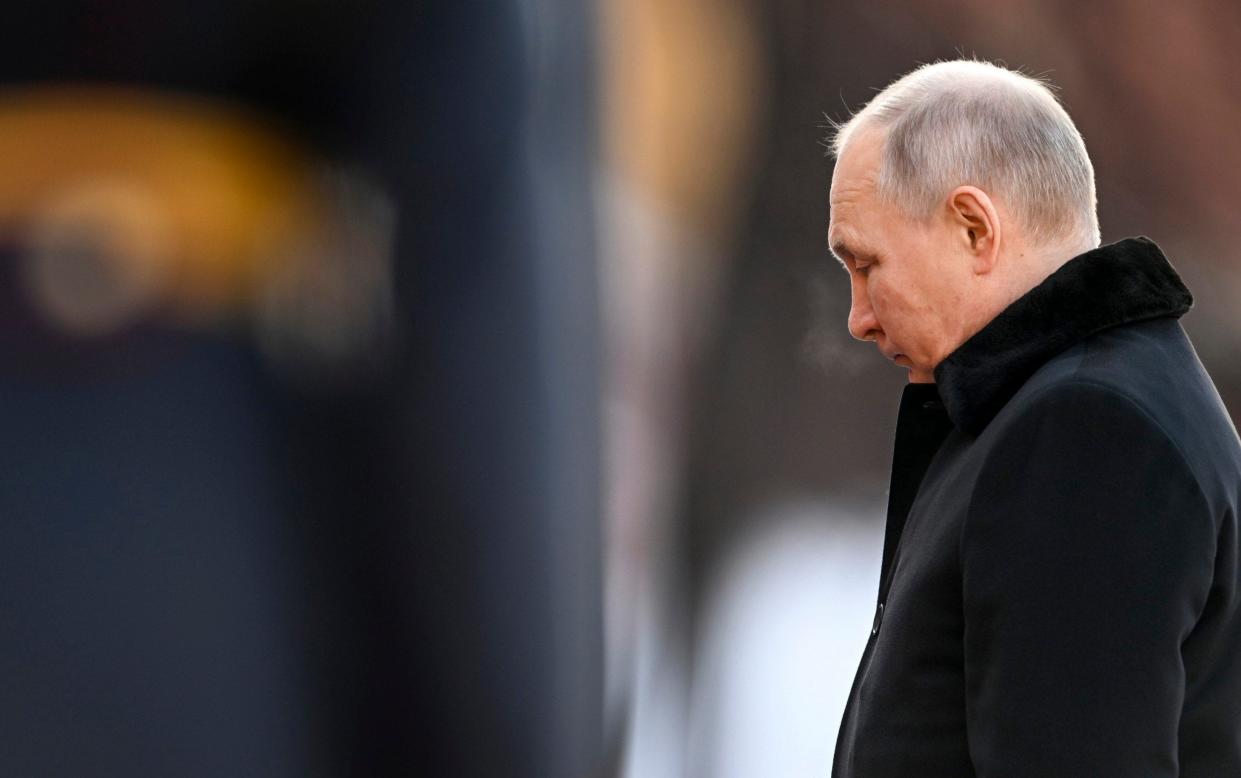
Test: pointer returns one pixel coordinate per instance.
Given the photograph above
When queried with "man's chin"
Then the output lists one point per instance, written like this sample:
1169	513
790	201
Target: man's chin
916	375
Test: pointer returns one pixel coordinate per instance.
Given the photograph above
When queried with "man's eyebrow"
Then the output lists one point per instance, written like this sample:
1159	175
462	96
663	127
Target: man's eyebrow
839	249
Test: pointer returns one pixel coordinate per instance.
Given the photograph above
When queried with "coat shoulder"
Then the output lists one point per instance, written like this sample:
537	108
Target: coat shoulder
1140	384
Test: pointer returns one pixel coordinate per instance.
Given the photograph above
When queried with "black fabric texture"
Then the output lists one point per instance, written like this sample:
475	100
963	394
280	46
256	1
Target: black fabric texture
921	426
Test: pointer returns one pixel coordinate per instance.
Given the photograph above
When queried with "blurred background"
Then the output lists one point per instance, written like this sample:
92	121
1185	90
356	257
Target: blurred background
463	388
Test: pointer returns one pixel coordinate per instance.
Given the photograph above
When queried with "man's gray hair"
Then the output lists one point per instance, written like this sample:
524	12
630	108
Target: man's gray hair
965	122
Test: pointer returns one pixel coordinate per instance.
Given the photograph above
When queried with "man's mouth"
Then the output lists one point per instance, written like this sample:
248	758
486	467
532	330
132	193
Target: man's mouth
894	356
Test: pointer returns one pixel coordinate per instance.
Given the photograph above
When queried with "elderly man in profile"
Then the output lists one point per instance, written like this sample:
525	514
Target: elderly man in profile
1059	588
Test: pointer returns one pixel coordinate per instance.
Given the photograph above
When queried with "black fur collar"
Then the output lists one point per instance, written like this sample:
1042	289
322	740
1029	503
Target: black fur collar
1116	284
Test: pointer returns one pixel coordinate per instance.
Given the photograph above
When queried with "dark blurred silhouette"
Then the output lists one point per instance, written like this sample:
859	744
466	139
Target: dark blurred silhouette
243	544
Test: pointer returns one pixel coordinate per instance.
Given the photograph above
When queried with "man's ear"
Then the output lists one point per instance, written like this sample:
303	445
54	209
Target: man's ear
976	222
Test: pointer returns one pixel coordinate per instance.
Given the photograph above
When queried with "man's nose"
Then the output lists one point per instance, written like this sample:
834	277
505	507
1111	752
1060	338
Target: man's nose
862	322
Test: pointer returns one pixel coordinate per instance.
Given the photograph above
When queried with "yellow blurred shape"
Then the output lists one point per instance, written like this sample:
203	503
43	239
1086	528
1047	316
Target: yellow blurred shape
196	197
681	87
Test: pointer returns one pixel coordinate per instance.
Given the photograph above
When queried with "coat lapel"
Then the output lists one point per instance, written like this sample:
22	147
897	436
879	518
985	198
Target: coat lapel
921	426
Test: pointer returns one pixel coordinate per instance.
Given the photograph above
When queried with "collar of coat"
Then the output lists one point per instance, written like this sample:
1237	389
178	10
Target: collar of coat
1120	283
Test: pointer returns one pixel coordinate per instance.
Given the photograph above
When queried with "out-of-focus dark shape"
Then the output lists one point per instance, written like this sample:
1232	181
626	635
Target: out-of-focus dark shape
298	378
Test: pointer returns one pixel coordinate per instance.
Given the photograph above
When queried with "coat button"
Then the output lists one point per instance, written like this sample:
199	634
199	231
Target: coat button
874	629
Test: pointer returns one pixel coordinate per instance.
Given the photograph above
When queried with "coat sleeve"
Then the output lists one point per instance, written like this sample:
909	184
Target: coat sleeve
1086	558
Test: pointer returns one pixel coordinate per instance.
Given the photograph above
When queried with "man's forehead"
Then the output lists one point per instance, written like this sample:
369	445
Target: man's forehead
852	189
838	232
844	208
846	196
858	162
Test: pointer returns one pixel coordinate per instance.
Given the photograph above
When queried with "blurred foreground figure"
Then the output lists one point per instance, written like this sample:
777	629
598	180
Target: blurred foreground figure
1059	591
297	378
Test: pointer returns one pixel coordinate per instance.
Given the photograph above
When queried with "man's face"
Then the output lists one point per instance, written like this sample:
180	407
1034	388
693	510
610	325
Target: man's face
907	295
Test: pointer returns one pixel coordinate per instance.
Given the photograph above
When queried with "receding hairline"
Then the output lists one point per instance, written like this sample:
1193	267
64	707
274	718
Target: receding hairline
974	75
958	122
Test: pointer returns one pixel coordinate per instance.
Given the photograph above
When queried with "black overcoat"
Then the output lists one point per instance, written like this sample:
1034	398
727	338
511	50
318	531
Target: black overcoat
1059	588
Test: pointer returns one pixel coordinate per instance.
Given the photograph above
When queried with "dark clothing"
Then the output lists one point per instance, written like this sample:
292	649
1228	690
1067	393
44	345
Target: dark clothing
1059	593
